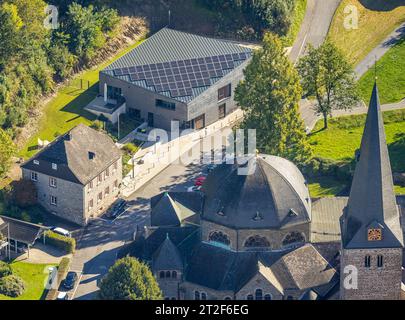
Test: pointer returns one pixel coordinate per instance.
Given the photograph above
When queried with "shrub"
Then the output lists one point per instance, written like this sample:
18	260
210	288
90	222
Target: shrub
5	269
130	148
12	286
61	242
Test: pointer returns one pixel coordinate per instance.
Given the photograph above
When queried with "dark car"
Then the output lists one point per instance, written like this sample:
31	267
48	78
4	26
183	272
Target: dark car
117	209
70	280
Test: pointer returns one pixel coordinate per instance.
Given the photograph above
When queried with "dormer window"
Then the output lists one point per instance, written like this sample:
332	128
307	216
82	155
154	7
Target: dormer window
36	162
292	213
54	166
258	216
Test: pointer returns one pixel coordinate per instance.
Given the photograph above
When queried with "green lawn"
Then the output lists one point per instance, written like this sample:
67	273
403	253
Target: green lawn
391	76
324	187
377	19
65	110
343	138
299	14
34	276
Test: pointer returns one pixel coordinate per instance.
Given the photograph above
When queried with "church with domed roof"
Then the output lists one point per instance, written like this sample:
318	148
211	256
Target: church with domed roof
261	236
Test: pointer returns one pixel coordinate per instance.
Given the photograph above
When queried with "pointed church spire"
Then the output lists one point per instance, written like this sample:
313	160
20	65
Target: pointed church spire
372	208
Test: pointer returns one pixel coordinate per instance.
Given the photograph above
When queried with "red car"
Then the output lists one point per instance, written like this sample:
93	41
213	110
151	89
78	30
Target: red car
200	181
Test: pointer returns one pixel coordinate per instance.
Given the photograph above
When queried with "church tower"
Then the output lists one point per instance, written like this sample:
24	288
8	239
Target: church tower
372	239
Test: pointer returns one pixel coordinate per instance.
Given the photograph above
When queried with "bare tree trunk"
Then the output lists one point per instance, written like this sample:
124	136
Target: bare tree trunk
325	120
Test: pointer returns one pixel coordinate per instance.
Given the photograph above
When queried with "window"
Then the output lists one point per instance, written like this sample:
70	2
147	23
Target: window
113	92
218	236
165	104
90	185
293	238
174	274
203	296
52	182
222	111
91	204
196	295
107	172
227	298
54	201
115	166
100	177
224	92
257	242
290	298
106	191
34	176
100	197
249	297
161	274
168	274
115	184
367	261
36	162
259	294
54	166
267	297
380	261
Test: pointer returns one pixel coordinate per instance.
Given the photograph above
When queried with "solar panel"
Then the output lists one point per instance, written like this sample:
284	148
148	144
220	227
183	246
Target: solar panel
180	77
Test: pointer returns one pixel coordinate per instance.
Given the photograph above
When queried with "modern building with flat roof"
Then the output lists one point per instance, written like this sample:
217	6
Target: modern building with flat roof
176	76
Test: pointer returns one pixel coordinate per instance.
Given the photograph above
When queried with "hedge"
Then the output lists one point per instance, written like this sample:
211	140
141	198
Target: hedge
63	269
326	167
61	242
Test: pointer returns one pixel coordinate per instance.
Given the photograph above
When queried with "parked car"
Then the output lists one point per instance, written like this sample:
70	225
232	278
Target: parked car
70	280
62	296
194	189
117	209
62	231
200	181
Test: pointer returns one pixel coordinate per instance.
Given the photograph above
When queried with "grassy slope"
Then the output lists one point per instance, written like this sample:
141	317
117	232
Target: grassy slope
374	25
343	137
65	110
391	76
299	14
34	276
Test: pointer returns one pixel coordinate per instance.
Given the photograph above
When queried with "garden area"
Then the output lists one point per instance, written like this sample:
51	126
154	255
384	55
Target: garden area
338	144
23	281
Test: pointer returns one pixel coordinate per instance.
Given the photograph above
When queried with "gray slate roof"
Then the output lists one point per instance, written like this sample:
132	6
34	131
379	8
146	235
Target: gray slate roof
21	231
169	45
167	257
372	202
274	196
71	153
173	208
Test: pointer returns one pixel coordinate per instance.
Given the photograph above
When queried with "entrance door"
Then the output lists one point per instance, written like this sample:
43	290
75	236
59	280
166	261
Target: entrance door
150	119
199	122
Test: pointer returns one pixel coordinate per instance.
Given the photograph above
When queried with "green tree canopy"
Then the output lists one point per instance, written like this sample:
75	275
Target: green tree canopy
10	26
327	75
269	96
7	150
129	279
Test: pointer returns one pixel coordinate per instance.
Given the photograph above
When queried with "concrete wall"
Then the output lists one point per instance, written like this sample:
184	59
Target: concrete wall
373	283
70	197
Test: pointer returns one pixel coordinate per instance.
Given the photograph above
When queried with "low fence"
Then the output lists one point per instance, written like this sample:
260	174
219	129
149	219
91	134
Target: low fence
150	161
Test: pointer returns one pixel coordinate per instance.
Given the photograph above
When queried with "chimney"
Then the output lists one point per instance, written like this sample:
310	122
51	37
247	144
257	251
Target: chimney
105	92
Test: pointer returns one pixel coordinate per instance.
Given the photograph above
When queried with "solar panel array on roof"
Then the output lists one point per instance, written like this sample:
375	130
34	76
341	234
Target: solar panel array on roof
179	78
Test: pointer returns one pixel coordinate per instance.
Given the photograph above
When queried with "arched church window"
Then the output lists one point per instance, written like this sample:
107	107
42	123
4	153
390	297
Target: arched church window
218	236
162	274
267	297
196	295
249	297
227	298
203	296
259	294
293	238
168	273
174	274
257	242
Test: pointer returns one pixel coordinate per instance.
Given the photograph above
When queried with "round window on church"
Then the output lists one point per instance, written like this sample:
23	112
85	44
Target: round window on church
293	238
220	237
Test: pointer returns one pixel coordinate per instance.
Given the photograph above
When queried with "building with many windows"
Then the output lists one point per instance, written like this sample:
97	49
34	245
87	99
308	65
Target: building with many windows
176	76
261	236
78	176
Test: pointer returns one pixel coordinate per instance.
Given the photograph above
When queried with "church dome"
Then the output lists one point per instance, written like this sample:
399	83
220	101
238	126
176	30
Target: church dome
273	196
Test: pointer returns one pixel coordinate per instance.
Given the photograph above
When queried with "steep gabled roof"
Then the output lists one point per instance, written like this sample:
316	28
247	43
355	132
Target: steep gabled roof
80	155
167	256
372	199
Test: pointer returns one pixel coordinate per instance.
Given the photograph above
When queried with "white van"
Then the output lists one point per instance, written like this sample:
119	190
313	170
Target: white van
62	232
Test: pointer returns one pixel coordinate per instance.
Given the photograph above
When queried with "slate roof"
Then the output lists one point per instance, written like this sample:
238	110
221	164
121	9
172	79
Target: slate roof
21	231
372	202
167	257
167	46
274	196
71	153
173	208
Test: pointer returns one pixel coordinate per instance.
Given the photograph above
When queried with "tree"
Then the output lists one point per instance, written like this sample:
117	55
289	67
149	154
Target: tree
24	193
7	150
327	75
269	96
129	279
10	27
